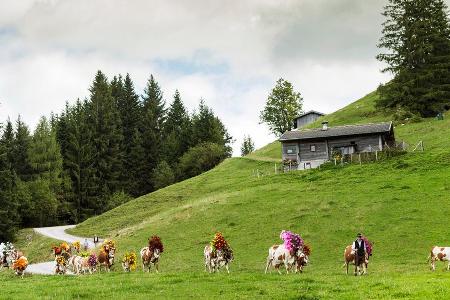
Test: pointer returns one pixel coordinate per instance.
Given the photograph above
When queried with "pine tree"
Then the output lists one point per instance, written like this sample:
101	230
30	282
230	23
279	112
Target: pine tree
152	126
9	219
137	172
206	127
22	140
416	34
8	141
247	146
104	122
282	106
79	161
129	108
177	130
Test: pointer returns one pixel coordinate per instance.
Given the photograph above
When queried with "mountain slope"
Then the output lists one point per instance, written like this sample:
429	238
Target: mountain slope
399	203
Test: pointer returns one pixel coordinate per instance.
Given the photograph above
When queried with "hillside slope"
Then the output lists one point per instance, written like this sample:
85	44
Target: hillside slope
398	203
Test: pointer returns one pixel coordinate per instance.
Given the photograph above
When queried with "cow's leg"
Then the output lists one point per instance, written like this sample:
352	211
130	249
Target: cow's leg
269	261
433	264
157	267
448	266
347	267
226	267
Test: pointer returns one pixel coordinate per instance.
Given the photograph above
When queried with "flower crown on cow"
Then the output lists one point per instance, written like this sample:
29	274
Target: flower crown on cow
219	243
20	264
155	243
292	241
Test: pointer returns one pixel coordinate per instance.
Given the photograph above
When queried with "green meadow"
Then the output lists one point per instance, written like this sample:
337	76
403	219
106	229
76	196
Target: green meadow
402	204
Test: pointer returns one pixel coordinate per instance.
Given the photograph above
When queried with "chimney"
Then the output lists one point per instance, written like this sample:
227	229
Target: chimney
325	125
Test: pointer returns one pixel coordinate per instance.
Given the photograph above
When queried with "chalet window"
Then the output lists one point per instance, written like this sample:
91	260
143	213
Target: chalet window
291	149
313	148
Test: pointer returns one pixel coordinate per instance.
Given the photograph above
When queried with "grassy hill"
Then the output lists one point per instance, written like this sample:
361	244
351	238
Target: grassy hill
401	204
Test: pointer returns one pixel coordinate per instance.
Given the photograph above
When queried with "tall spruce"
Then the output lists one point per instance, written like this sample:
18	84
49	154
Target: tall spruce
152	125
79	161
22	141
104	122
207	127
129	108
177	131
416	35
9	218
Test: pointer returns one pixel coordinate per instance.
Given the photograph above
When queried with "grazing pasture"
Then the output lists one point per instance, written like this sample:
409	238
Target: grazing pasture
400	204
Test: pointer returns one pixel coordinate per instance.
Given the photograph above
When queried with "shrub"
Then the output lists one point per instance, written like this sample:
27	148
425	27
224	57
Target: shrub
163	175
201	158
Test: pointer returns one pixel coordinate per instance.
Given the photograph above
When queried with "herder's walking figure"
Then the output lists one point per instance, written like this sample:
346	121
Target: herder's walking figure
359	249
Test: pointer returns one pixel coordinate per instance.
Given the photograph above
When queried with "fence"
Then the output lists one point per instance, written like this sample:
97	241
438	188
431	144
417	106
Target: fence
399	148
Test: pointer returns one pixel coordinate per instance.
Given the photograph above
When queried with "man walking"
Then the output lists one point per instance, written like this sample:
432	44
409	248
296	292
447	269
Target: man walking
359	249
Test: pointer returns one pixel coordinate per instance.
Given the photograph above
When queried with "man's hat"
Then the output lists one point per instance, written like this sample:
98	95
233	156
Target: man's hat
359	235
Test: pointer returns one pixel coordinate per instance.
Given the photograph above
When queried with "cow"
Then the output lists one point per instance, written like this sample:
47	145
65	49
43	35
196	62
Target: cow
106	257
74	263
214	260
8	255
349	258
439	254
60	265
19	265
149	258
279	256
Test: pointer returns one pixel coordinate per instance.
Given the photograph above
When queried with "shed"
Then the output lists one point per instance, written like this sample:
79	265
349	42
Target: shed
307	118
312	147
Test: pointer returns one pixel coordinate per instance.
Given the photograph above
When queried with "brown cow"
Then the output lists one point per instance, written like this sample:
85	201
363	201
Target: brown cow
106	257
349	258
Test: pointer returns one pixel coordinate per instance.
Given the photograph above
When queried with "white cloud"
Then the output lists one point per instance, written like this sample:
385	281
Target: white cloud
230	53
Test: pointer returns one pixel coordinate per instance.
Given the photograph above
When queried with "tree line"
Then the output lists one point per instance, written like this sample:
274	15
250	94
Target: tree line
101	152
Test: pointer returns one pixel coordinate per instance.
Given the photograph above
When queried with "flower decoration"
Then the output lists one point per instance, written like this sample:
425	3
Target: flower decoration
369	246
292	241
60	261
76	245
131	260
64	246
21	264
92	261
109	244
155	243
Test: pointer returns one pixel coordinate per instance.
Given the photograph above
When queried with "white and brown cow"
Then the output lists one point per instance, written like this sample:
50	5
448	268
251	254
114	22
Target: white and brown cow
214	260
439	254
280	256
349	259
150	258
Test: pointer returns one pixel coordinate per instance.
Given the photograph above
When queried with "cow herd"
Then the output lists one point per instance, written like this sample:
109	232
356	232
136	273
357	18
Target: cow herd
69	258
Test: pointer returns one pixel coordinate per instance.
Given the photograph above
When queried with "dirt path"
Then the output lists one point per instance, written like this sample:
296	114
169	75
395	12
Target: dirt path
59	233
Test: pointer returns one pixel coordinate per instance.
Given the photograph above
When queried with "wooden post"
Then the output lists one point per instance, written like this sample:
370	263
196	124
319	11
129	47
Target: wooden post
334	161
275	167
359	158
376	155
351	157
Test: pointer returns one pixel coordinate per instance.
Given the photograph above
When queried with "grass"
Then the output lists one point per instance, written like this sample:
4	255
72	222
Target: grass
35	247
400	204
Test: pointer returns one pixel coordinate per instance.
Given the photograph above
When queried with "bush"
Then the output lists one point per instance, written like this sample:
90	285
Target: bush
163	175
201	158
117	199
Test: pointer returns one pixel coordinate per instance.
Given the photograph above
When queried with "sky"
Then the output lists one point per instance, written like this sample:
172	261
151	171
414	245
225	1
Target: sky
230	53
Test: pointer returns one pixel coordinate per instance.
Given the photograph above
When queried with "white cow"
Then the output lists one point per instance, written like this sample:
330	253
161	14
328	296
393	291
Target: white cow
216	260
279	255
441	254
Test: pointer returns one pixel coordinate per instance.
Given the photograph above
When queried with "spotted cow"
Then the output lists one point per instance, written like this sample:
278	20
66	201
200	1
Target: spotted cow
280	256
439	254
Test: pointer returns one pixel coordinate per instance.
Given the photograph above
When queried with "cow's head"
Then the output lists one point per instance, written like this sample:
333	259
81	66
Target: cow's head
111	254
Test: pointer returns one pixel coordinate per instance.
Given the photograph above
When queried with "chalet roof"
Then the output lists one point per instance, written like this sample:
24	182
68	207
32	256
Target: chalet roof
346	130
310	112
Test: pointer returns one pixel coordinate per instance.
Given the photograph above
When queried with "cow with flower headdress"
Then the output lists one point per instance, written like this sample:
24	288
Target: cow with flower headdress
106	256
292	254
358	254
19	265
218	254
151	254
129	261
